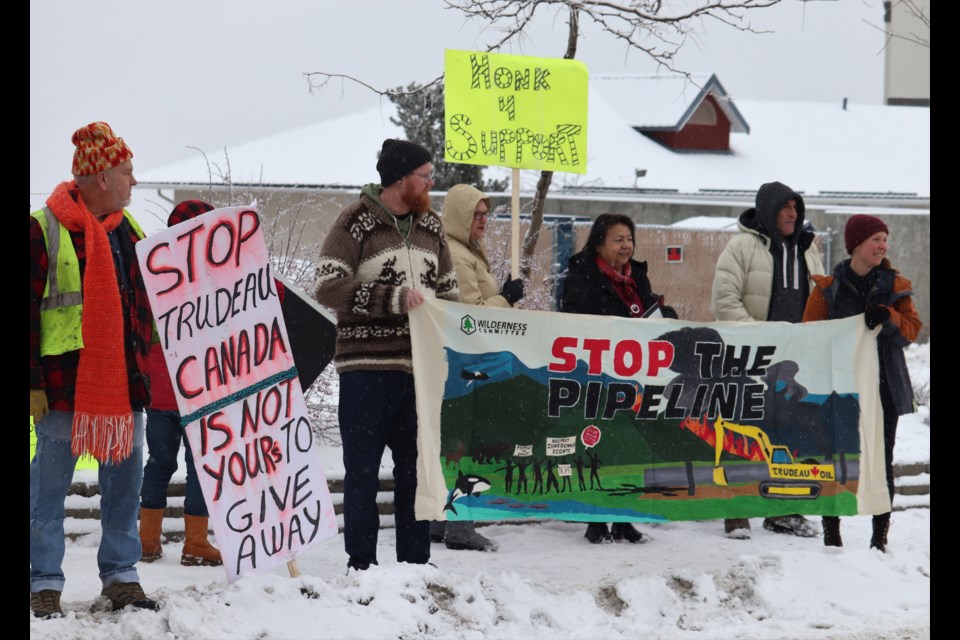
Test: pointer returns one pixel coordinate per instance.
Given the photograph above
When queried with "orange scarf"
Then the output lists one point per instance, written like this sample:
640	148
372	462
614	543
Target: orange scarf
102	416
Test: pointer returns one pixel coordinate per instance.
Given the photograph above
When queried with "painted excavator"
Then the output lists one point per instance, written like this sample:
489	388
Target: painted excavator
788	479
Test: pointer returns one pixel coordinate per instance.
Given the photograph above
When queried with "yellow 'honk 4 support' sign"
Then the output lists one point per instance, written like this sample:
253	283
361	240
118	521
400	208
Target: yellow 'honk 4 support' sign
515	111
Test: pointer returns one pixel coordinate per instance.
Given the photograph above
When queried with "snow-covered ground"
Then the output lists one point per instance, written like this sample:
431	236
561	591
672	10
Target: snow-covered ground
547	581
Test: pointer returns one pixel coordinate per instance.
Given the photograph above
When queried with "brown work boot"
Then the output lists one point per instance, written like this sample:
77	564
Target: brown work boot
737	528
45	604
122	594
151	525
881	525
197	550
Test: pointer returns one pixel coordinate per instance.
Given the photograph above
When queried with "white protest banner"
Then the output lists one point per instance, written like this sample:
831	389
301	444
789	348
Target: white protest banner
659	419
217	311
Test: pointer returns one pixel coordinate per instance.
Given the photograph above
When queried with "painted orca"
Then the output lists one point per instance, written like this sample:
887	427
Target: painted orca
473	375
466	485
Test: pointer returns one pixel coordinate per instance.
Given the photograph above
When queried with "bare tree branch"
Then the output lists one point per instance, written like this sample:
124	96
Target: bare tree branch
325	78
645	25
655	28
914	11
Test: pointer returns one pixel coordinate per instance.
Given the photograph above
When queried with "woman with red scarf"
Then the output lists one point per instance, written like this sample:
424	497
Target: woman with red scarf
604	279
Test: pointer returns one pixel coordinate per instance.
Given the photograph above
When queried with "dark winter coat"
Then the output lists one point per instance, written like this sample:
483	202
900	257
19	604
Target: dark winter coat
836	297
587	290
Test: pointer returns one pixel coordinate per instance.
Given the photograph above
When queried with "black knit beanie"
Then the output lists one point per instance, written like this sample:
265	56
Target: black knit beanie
398	158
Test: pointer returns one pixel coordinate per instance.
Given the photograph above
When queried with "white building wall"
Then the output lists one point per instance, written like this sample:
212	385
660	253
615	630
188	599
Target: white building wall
907	74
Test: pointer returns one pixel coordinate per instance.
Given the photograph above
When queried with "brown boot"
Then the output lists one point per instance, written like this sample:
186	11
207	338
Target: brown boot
197	550
151	524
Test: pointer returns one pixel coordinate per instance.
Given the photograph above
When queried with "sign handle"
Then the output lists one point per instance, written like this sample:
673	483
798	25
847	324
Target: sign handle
515	225
292	567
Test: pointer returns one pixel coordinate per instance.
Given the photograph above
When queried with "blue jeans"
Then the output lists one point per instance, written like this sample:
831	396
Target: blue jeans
164	435
51	473
377	410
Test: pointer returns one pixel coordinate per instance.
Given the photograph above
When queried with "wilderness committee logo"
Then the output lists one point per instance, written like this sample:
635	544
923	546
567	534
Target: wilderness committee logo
469	325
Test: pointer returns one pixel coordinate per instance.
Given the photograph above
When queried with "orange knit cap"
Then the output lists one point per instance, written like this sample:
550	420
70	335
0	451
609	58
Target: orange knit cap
98	149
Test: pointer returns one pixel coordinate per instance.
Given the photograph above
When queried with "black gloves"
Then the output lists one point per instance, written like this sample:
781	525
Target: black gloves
876	315
512	290
669	312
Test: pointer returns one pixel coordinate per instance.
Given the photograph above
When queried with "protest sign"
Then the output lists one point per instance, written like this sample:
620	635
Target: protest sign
215	303
656	419
515	111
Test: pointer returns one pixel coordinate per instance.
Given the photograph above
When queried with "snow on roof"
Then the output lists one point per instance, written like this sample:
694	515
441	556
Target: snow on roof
340	151
665	102
706	222
813	147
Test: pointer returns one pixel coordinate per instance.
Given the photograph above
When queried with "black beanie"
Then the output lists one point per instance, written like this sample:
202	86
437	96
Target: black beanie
398	158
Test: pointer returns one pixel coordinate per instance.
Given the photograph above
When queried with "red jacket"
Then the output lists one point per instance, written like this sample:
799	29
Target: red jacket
161	389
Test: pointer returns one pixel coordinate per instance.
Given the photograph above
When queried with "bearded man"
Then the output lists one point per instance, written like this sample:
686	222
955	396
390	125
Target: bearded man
385	253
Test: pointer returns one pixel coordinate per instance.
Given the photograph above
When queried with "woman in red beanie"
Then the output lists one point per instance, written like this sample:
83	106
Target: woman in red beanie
866	283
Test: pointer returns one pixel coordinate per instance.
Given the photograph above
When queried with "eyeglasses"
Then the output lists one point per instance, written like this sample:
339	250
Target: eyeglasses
480	216
426	178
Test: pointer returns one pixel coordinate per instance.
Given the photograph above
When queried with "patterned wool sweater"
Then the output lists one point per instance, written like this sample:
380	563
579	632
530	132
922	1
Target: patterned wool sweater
363	274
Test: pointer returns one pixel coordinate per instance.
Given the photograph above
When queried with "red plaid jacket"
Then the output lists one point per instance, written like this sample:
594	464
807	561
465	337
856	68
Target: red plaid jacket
58	374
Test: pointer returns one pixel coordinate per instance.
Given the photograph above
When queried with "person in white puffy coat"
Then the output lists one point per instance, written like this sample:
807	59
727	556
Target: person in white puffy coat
763	274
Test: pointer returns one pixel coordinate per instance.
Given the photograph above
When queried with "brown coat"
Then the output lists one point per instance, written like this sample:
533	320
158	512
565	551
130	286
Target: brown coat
363	274
477	285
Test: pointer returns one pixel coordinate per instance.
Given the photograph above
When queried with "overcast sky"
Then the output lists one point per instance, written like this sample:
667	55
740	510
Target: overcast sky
214	73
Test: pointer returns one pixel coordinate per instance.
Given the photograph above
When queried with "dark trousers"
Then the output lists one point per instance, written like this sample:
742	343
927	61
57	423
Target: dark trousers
890	420
164	435
377	410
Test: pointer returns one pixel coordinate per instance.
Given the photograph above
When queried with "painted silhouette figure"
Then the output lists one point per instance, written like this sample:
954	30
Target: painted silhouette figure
579	462
595	463
507	468
522	475
537	476
551	477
